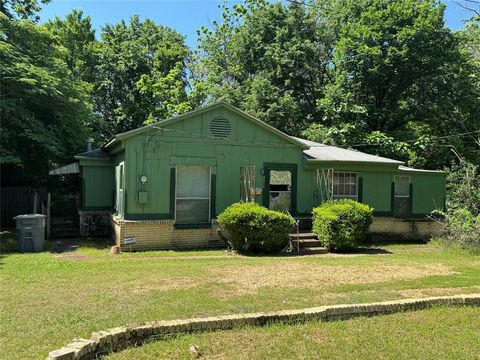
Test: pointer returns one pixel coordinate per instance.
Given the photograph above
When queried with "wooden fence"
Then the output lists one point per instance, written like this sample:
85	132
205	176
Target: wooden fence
21	200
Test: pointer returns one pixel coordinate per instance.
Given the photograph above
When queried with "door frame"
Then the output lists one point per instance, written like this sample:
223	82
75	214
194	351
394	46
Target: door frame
267	167
120	189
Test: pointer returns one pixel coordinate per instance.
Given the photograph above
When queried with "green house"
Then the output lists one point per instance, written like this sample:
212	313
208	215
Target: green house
163	185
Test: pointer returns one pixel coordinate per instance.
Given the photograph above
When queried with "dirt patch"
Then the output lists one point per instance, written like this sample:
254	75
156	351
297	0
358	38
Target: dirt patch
157	284
251	278
73	257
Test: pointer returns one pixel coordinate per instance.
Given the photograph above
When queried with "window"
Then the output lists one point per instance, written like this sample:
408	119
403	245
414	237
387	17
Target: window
345	185
402	186
192	196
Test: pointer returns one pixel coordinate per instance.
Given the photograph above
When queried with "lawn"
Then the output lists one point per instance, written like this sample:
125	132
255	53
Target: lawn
48	299
438	333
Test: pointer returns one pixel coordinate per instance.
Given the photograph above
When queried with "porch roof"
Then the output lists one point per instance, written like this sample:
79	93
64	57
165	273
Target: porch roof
322	152
67	169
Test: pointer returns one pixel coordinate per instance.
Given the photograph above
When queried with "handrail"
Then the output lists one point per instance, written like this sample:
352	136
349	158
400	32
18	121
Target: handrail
297	225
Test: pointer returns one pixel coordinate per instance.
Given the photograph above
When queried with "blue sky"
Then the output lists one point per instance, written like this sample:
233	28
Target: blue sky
185	16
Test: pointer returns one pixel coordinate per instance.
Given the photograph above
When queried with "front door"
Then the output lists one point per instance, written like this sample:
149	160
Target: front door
401	199
280	187
280	190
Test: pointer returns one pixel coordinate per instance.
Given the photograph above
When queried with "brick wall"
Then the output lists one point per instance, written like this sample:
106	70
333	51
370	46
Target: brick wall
162	235
387	228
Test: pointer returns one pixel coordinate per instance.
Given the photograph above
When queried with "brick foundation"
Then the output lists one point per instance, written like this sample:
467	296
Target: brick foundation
162	235
391	229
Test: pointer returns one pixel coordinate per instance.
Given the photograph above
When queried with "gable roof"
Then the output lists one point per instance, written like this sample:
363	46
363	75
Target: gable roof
322	152
201	110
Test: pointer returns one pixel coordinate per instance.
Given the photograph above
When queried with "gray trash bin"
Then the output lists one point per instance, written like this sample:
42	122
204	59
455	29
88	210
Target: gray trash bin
30	232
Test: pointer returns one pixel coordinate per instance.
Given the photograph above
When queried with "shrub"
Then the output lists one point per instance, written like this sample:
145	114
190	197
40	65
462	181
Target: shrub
462	230
251	228
342	224
463	188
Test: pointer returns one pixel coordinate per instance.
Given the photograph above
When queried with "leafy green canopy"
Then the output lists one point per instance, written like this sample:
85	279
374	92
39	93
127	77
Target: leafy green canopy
384	76
398	71
23	9
266	58
44	109
140	76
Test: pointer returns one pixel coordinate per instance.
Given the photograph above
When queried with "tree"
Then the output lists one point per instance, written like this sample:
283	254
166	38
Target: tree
75	33
267	58
398	70
24	9
44	109
140	76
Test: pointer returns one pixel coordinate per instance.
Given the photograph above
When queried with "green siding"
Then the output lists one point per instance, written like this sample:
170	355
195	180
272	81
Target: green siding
155	153
188	142
376	190
98	182
428	193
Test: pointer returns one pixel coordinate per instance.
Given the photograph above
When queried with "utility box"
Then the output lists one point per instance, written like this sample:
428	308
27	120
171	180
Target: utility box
30	232
142	197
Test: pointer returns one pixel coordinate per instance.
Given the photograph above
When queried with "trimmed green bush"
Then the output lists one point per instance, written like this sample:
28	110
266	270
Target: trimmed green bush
342	224
251	228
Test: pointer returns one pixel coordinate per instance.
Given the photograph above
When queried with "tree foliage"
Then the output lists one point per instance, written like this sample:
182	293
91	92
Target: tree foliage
44	109
76	35
140	77
268	59
383	76
23	9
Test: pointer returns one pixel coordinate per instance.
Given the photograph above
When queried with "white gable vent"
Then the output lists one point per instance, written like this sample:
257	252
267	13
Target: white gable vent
220	128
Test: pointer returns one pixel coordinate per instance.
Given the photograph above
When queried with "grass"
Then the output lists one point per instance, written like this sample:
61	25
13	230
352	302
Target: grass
438	333
48	299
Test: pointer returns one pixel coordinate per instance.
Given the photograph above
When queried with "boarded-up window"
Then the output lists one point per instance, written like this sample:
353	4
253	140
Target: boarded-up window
402	186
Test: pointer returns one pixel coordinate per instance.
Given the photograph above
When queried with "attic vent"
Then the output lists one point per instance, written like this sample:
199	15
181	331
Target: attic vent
220	127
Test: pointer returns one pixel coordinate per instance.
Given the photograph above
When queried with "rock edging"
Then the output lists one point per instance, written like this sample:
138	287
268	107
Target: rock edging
116	339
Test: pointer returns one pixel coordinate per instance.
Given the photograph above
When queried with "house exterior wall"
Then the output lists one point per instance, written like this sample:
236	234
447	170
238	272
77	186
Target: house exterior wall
188	142
428	193
149	207
97	184
384	229
162	235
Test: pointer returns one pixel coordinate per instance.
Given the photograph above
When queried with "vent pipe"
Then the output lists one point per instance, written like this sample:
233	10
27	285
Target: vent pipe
89	144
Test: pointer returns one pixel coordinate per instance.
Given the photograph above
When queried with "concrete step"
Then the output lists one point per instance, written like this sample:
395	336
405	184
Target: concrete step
303	235
307	242
314	250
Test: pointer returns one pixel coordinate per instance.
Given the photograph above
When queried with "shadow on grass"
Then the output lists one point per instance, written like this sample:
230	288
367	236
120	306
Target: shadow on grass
70	245
364	251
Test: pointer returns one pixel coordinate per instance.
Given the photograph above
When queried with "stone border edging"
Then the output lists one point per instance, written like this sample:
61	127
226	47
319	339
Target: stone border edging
119	338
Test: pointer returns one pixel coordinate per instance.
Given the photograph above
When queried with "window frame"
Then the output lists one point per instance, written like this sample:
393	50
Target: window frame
196	197
395	186
343	196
